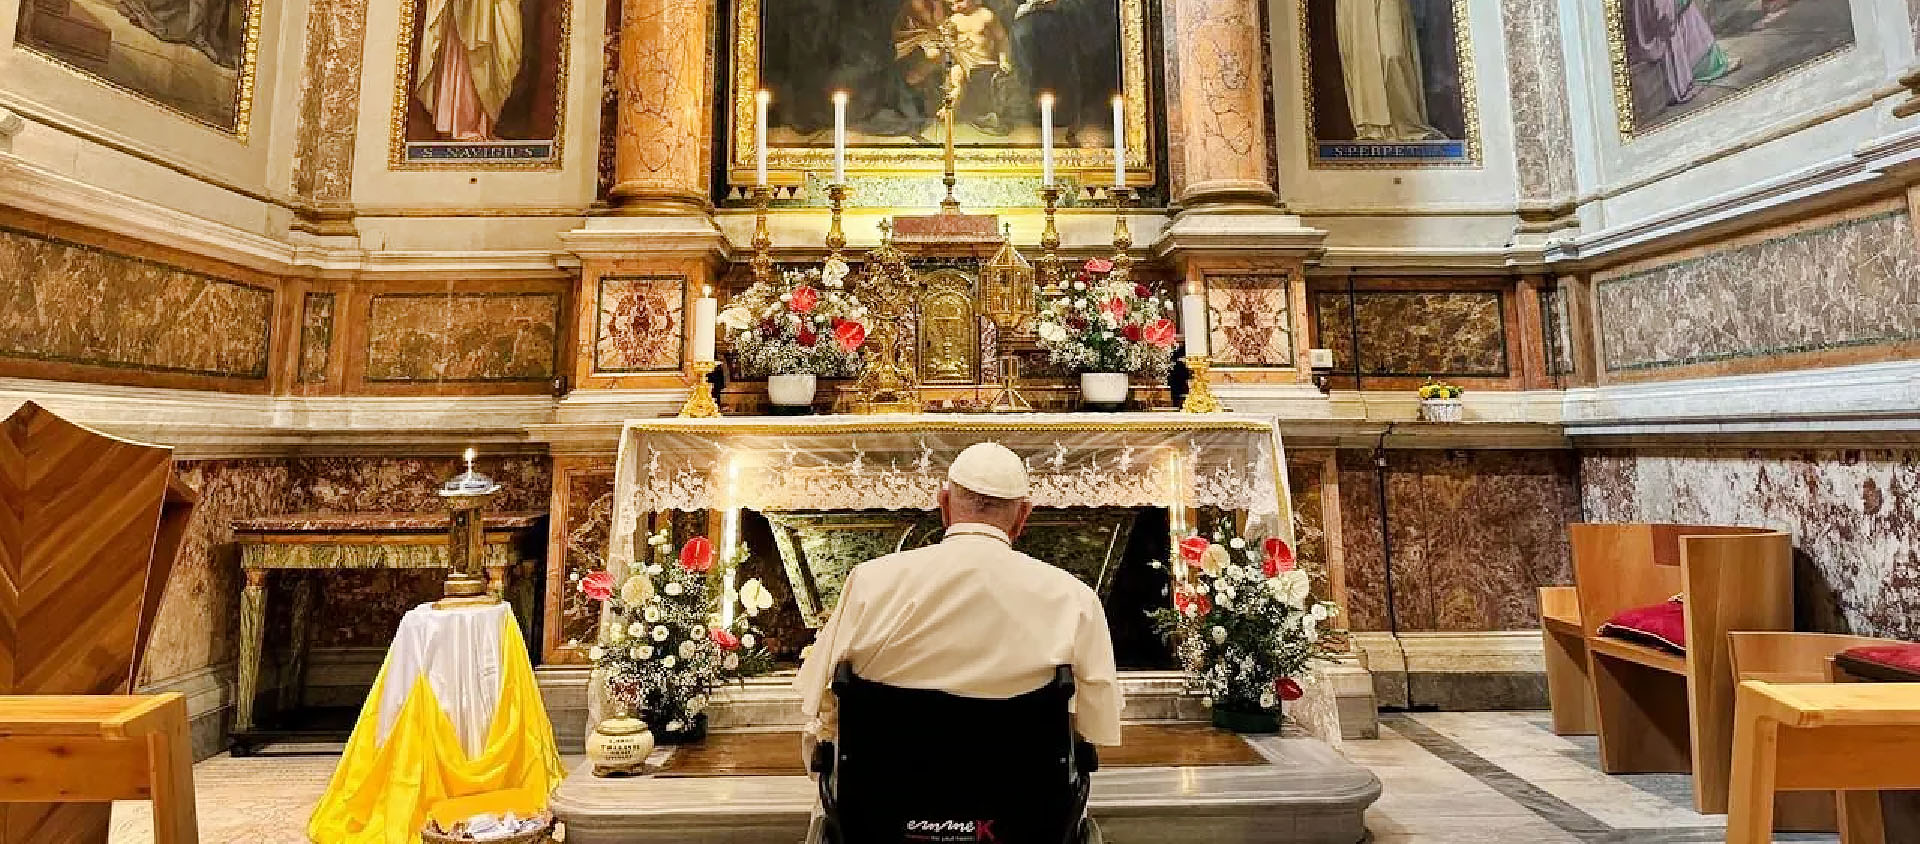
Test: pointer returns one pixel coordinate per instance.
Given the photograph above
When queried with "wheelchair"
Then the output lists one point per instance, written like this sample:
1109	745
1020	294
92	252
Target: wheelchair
917	766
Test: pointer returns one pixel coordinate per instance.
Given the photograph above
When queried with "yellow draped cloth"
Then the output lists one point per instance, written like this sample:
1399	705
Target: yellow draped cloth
389	778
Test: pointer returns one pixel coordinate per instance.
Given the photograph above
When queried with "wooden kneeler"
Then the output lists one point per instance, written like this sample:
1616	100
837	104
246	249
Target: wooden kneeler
94	749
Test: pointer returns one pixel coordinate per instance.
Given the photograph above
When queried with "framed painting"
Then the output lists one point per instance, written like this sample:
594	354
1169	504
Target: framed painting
192	57
495	104
1389	83
1673	58
887	56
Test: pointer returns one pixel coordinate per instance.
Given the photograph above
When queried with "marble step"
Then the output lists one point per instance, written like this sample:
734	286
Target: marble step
1304	793
771	701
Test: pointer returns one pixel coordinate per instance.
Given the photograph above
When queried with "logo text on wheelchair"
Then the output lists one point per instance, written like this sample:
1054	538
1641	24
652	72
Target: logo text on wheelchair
949	831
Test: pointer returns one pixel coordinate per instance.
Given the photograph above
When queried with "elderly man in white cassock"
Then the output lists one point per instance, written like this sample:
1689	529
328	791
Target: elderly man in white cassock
969	616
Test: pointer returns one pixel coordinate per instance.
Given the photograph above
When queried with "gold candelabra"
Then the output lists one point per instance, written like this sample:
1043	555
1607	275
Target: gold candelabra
836	200
762	239
1200	398
1122	239
1050	244
700	403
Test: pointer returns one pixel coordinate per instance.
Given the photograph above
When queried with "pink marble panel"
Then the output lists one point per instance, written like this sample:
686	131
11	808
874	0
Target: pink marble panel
640	324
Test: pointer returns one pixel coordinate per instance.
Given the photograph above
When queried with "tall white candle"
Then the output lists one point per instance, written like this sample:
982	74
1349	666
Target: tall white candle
1046	139
839	137
1119	143
705	311
760	99
1193	322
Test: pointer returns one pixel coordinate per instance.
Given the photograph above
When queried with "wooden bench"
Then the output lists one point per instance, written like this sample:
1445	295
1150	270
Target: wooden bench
1569	686
1856	738
67	749
1657	711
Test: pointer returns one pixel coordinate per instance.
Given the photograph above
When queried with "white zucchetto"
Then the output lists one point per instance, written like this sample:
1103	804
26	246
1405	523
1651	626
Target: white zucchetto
990	469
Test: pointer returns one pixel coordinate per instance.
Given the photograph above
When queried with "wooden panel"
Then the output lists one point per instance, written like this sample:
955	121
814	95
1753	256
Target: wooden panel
1732	582
73	769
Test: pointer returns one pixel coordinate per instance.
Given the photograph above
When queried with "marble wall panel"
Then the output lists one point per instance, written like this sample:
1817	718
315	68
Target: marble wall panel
1309	522
1834	285
316	337
1251	322
1472	536
67	302
1556	329
586	523
463	337
329	101
1415	332
198	622
639	324
1854	516
1542	124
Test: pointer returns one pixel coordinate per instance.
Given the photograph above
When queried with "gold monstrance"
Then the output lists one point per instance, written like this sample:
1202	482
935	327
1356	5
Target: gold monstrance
1007	284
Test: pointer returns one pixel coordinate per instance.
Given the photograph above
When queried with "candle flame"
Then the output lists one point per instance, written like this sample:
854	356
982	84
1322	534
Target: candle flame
763	96
471	454
1117	99
1046	98
706	290
839	98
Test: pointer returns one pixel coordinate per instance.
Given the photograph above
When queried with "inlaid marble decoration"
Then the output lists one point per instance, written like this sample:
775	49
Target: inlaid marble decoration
329	100
1854	516
585	525
66	302
1473	536
1252	320
1537	74
316	336
1852	283
471	337
1309	523
1415	333
1557	330
640	324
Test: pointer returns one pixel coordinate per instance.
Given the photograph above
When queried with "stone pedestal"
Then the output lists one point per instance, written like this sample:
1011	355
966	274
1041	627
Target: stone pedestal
638	279
1251	266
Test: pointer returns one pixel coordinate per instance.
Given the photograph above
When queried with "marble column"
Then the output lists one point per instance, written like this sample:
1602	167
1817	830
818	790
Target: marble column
1218	62
1543	127
329	117
661	151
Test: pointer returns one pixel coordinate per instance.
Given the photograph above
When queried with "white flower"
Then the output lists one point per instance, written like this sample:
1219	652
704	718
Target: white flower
747	640
736	318
687	649
1309	627
675	726
596	653
1207	702
1237	543
731	662
660	633
667	661
833	271
1319	612
616	634
656	539
754	597
637	629
1052	332
655	569
643	652
674	590
636	590
1219	635
1268	700
1200	587
1291	588
697	705
651	614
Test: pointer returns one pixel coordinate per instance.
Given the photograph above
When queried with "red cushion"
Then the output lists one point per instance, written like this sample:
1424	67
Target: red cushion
1663	625
1905	657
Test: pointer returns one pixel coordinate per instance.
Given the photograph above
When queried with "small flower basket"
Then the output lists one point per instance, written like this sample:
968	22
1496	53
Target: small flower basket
1440	402
1245	626
1106	328
796	329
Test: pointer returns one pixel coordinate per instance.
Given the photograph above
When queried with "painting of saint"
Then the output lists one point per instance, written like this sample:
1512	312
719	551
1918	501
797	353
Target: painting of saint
484	83
1389	83
897	58
1676	57
192	56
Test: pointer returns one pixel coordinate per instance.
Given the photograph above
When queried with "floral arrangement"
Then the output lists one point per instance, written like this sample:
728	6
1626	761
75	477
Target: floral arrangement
1104	322
1439	390
1243	621
805	322
663	645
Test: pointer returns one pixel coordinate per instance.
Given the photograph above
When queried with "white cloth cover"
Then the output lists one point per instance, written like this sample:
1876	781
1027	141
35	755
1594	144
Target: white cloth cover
458	650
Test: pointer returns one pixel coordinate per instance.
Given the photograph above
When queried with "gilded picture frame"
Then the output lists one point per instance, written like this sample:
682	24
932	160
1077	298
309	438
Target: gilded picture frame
790	164
527	155
1464	153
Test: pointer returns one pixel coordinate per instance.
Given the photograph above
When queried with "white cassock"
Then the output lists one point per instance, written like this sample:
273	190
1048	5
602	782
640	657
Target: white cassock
969	616
1380	59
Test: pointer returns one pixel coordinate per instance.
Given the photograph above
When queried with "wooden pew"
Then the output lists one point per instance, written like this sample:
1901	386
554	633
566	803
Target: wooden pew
1857	738
1569	687
1656	711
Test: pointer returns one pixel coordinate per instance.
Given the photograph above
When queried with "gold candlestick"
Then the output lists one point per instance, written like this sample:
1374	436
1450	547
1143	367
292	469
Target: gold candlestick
1200	393
1050	244
467	495
1122	239
836	200
762	239
700	403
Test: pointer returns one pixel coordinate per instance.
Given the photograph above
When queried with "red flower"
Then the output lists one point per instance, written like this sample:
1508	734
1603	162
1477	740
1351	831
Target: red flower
1288	688
1189	602
697	554
804	298
1098	265
1193	547
1141	291
806	338
1077	323
1160	333
1116	308
726	641
1279	557
1132	331
598	585
850	334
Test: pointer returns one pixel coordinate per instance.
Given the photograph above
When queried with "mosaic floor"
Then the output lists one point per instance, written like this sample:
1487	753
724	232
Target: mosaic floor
1466	777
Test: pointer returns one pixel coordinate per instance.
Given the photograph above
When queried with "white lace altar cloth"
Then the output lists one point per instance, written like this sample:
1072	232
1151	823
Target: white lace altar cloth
1228	461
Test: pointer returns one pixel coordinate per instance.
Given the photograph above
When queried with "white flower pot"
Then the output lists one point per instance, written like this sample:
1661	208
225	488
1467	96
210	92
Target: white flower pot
791	390
1103	387
1441	410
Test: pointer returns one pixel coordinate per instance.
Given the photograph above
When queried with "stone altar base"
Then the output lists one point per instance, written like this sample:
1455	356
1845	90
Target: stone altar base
1304	792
